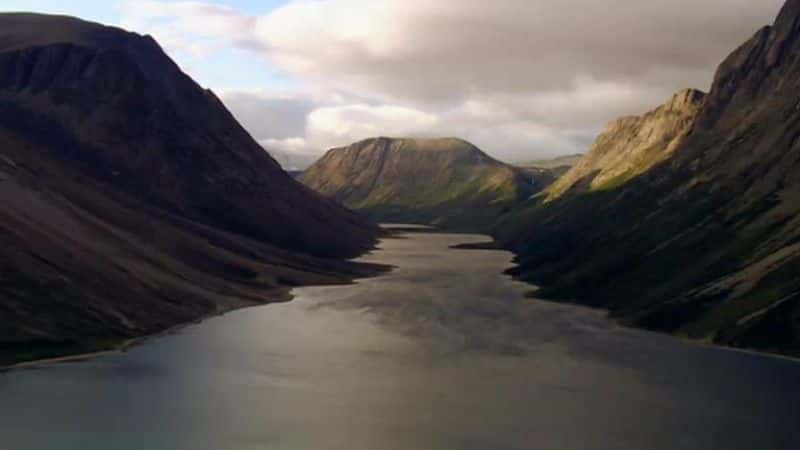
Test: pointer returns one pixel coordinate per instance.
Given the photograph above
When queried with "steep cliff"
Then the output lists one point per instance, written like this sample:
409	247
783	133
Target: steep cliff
705	243
445	182
632	145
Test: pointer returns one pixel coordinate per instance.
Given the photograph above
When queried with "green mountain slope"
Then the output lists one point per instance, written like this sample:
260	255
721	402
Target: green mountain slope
444	182
706	243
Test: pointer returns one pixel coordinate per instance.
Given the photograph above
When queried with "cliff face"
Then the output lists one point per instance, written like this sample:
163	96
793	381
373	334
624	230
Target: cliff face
132	200
704	243
632	145
445	182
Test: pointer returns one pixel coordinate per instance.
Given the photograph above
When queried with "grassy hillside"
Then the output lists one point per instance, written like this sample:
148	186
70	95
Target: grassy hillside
444	182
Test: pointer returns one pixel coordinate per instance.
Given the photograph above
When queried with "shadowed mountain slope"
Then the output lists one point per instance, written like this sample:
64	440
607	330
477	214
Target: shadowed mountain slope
133	201
706	243
444	182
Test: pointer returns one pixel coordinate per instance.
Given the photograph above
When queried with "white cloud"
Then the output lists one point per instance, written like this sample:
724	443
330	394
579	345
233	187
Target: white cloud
446	50
292	145
520	78
341	125
293	153
197	28
270	115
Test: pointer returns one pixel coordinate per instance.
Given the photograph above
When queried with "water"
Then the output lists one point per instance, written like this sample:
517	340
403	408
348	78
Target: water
443	353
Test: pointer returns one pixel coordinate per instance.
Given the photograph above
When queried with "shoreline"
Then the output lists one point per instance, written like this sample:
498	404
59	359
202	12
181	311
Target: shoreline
283	295
495	245
287	296
32	364
678	338
126	344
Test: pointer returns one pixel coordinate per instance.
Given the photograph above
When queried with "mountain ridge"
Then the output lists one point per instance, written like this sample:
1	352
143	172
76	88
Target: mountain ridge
704	243
631	145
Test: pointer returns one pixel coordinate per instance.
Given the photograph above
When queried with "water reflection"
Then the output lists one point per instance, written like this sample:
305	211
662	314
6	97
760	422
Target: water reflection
443	353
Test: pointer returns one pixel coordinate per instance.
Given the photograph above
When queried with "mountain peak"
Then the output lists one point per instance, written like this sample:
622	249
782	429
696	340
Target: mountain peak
630	146
686	98
427	144
25	30
789	17
446	181
761	62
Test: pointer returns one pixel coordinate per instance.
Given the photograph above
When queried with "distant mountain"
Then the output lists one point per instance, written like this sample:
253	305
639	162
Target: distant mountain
133	201
705	243
543	173
445	182
555	163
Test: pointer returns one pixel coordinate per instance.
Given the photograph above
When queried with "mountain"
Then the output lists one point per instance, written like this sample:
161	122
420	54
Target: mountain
706	243
543	173
632	145
133	201
445	182
558	162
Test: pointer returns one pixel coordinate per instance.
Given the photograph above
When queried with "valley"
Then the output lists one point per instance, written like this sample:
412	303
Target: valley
468	361
178	273
682	220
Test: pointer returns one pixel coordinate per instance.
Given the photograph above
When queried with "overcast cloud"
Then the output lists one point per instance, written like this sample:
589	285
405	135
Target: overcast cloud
522	79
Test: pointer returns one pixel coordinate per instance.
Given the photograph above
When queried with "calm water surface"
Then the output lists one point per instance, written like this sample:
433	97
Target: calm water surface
443	353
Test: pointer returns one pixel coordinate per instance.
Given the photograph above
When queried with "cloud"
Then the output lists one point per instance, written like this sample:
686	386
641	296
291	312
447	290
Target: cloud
448	50
291	153
521	78
193	27
341	125
270	115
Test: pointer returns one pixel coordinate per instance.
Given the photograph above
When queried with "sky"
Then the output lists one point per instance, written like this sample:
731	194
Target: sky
522	79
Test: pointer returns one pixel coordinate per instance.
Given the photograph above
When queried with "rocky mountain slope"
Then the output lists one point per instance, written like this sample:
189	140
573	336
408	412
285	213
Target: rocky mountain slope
444	182
631	145
706	243
133	201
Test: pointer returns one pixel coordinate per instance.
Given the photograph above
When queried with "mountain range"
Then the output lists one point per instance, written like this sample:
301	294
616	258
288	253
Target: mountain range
134	202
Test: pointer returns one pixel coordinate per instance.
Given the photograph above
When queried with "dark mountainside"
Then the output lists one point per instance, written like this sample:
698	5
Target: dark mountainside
133	201
448	182
705	244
